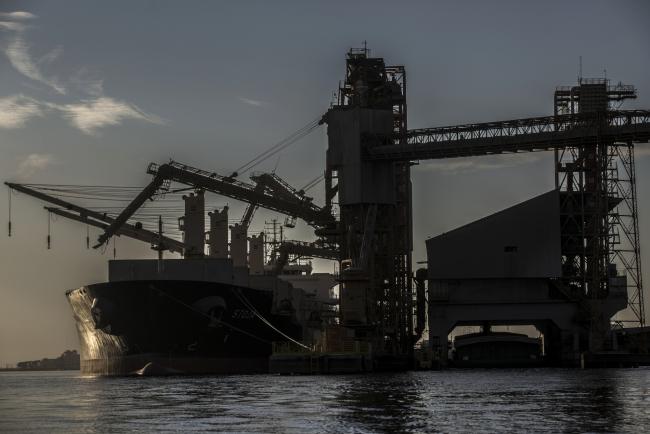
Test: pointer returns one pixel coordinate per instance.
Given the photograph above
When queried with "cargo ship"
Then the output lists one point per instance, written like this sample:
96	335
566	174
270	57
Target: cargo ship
196	316
218	310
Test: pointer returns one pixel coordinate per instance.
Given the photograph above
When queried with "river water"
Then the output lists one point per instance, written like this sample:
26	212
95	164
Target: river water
532	400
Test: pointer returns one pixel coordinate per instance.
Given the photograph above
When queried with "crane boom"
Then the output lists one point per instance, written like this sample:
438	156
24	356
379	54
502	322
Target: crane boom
59	202
100	220
279	186
222	185
251	208
302	249
130	209
519	135
248	215
131	231
227	186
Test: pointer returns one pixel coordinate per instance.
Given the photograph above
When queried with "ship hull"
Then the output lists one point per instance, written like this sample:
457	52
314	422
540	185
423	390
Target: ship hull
176	328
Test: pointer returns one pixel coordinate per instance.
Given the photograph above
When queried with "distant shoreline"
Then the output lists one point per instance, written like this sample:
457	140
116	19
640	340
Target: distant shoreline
33	370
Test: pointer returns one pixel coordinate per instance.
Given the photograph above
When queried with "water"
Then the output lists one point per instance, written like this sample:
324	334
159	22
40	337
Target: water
539	400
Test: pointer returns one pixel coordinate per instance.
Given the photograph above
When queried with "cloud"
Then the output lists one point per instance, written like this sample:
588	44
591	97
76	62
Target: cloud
11	26
33	163
89	83
52	55
17	51
474	164
17	15
94	87
90	115
16	110
253	102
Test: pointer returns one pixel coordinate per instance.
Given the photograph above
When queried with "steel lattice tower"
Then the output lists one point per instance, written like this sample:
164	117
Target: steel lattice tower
600	231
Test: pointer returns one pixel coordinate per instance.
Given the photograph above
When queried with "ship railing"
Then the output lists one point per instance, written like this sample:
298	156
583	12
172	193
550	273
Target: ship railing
345	346
286	347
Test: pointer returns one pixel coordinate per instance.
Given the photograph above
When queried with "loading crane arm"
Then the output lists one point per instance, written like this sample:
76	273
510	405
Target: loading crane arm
100	220
228	186
315	250
252	207
248	215
157	242
256	195
280	187
146	194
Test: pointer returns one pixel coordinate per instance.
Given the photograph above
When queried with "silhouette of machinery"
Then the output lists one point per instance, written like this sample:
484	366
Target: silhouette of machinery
366	221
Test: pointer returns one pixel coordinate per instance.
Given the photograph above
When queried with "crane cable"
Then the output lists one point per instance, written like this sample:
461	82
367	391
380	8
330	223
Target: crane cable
250	306
9	225
103	193
49	230
313	183
279	146
208	316
282	144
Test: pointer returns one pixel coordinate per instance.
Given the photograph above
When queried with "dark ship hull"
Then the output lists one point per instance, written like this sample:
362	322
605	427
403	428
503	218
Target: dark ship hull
176	327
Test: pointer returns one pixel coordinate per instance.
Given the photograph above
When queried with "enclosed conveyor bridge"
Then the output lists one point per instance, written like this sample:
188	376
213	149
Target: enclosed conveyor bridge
519	135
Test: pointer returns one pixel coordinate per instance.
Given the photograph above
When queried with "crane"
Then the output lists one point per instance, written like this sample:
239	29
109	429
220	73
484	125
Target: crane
301	207
100	220
301	248
272	184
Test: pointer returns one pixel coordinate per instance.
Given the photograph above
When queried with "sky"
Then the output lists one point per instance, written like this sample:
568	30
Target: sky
91	92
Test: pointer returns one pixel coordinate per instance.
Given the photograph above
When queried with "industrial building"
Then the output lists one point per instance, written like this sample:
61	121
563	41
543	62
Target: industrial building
505	269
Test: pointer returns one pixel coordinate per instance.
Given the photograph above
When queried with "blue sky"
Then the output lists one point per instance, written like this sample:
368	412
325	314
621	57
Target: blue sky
91	92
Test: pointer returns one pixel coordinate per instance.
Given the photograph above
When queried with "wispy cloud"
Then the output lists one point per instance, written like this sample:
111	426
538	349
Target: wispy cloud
33	163
8	20
17	15
253	102
474	164
90	115
94	87
16	110
11	26
17	51
87	82
52	55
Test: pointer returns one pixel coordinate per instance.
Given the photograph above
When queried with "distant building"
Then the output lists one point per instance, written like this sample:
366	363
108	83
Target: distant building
69	360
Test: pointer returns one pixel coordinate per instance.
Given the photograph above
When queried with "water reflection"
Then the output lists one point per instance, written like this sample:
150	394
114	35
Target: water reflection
383	402
544	400
591	401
